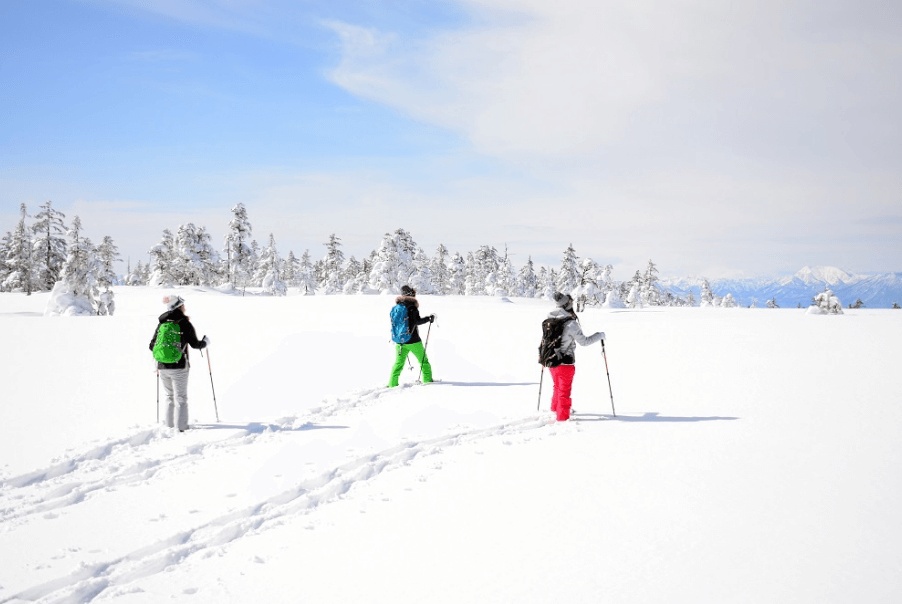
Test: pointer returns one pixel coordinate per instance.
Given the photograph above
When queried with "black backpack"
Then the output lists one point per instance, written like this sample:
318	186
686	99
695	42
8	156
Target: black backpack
549	349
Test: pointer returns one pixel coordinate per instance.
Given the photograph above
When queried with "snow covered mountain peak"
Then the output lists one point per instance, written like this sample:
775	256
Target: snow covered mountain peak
824	274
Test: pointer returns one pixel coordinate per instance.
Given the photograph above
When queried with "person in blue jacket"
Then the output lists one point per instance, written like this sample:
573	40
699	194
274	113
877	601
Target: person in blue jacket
415	344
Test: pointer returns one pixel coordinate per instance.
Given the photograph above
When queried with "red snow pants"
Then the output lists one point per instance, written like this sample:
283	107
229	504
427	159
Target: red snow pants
563	380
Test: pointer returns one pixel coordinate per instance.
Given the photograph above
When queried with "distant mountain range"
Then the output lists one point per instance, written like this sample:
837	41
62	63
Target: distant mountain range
875	291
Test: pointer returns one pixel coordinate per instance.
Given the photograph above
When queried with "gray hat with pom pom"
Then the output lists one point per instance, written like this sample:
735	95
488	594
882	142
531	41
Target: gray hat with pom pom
562	300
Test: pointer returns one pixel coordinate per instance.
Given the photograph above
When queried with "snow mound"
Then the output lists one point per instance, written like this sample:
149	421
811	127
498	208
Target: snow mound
64	302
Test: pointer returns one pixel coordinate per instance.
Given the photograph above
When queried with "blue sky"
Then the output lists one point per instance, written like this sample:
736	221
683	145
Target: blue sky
714	138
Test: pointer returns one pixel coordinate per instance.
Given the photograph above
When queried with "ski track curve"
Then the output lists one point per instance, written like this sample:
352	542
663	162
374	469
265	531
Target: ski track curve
46	490
114	464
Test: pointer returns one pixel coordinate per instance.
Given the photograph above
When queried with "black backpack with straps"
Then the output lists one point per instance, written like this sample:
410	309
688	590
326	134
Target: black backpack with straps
549	349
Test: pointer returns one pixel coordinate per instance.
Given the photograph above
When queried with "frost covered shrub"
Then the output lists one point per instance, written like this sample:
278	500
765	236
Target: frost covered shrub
64	302
612	300
825	303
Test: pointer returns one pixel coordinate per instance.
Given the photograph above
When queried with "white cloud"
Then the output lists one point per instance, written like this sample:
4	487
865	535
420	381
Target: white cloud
746	128
581	78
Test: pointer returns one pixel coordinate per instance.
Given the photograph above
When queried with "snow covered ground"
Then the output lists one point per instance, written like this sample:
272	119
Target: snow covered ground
754	457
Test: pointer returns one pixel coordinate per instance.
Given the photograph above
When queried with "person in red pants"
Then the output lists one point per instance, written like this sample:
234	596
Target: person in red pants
562	375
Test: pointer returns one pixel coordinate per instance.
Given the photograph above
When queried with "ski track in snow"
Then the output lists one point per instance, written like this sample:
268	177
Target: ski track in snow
103	468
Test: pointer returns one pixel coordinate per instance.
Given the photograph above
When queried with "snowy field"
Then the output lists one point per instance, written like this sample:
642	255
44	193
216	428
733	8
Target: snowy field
755	457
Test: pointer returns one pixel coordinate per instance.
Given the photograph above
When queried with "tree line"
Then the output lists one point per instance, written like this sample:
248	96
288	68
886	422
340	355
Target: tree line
47	254
37	256
189	258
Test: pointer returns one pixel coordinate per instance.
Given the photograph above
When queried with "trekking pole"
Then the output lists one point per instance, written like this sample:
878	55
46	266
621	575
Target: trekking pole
158	396
425	346
541	377
609	377
215	406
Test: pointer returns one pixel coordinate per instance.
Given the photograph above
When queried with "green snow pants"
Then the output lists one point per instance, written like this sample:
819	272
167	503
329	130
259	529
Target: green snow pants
419	352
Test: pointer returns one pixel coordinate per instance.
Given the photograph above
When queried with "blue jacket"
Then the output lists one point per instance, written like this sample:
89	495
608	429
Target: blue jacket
413	317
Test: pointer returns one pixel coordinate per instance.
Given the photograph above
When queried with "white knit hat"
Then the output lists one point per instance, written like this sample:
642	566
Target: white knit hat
173	302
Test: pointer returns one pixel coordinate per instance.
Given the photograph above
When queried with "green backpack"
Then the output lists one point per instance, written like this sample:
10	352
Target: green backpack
168	346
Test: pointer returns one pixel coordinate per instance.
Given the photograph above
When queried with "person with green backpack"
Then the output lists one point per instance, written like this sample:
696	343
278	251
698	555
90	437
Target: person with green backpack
169	345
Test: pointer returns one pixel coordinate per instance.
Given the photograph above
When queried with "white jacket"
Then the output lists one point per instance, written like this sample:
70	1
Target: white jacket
573	334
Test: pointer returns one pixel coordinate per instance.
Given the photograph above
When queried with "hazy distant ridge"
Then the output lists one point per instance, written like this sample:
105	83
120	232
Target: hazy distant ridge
876	291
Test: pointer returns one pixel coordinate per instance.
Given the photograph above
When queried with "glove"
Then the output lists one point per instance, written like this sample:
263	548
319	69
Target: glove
206	341
602	335
431	318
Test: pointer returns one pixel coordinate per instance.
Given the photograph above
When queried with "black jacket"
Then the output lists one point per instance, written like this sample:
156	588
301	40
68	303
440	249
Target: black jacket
413	317
189	337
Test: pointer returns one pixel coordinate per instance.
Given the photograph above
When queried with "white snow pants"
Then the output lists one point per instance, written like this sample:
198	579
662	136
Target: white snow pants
175	383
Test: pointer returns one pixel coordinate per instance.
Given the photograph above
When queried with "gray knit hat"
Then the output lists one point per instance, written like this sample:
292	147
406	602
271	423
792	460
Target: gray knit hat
173	302
562	300
408	291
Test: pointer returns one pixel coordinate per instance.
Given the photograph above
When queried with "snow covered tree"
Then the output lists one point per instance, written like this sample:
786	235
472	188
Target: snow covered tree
22	275
772	303
194	258
306	275
319	271
587	291
604	281
486	264
5	242
162	262
458	278
136	276
107	253
353	267
393	263
239	249
568	276
707	295
549	287
541	280
76	293
49	243
728	301
292	267
332	278
474	283
612	299
825	303
351	271
634	297
527	281
441	274
421	274
186	264
360	283
506	279
269	270
648	288
252	263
